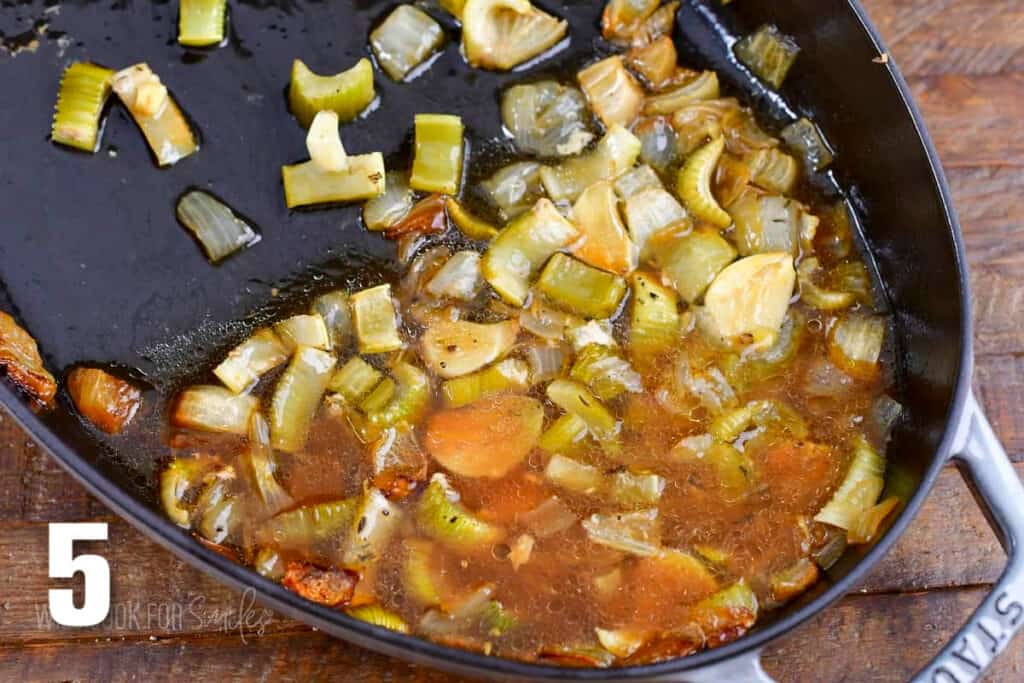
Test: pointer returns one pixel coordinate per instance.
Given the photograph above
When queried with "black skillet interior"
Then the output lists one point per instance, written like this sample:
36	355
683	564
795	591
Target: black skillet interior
94	264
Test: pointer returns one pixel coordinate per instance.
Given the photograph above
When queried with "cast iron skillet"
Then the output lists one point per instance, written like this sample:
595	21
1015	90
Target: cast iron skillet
94	265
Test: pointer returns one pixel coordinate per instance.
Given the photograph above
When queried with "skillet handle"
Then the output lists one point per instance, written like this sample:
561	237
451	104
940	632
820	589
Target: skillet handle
994	483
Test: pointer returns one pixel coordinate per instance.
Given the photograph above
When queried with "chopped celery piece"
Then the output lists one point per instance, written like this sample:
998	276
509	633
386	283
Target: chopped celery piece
201	22
303	330
258	463
405	40
654	319
376	323
180	477
370	531
855	344
410	401
636	533
766	223
297	398
220	520
419	578
764	413
84	89
605	243
469	225
250	360
649	212
694	184
580	289
748	301
859	490
729	611
574	476
156	113
452	348
306	184
437	166
214	409
334	308
390	208
501	34
636	181
565	435
773	170
546	118
355	380
576	399
703	87
606	372
302	527
515	188
217	228
379	396
510	375
444	518
459	278
804	137
693	262
378	616
769	53
346	93
812	294
613	93
523	247
614	155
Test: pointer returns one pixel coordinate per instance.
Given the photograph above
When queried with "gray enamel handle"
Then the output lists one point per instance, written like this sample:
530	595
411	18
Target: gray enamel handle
995	485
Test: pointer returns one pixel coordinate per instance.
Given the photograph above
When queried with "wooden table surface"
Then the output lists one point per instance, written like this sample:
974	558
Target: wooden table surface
964	60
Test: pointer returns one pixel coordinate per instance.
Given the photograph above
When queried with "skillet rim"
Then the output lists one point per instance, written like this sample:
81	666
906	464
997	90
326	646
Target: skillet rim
160	529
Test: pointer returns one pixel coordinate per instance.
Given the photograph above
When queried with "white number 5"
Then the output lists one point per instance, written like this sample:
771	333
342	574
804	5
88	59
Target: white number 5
64	565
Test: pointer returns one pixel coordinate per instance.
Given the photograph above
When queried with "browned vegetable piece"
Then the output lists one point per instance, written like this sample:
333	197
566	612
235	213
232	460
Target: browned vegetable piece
20	359
794	580
399	464
681	642
331	587
654	62
107	401
427	217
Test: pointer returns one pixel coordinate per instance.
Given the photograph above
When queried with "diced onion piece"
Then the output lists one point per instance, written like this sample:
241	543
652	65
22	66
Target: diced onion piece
108	402
593	332
546	361
84	89
523	247
859	489
459	278
390	207
250	360
636	489
659	144
703	87
659	24
747	302
614	155
565	435
636	533
707	384
793	580
613	93
201	22
437	166
770	223
216	227
514	189
636	181
214	409
855	344
487	438
376	322
697	122
574	398
405	40
816	296
693	261
549	518
165	129
306	184
606	372
886	412
373	526
769	53
323	141
347	93
804	137
335	310
546	118
269	564
621	642
303	330
469	225
654	319
574	476
20	359
297	397
581	289
867	525
509	376
427	217
773	170
622	17
259	467
452	348
547	322
355	380
655	62
442	516
378	616
501	34
605	243
694	184
649	212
